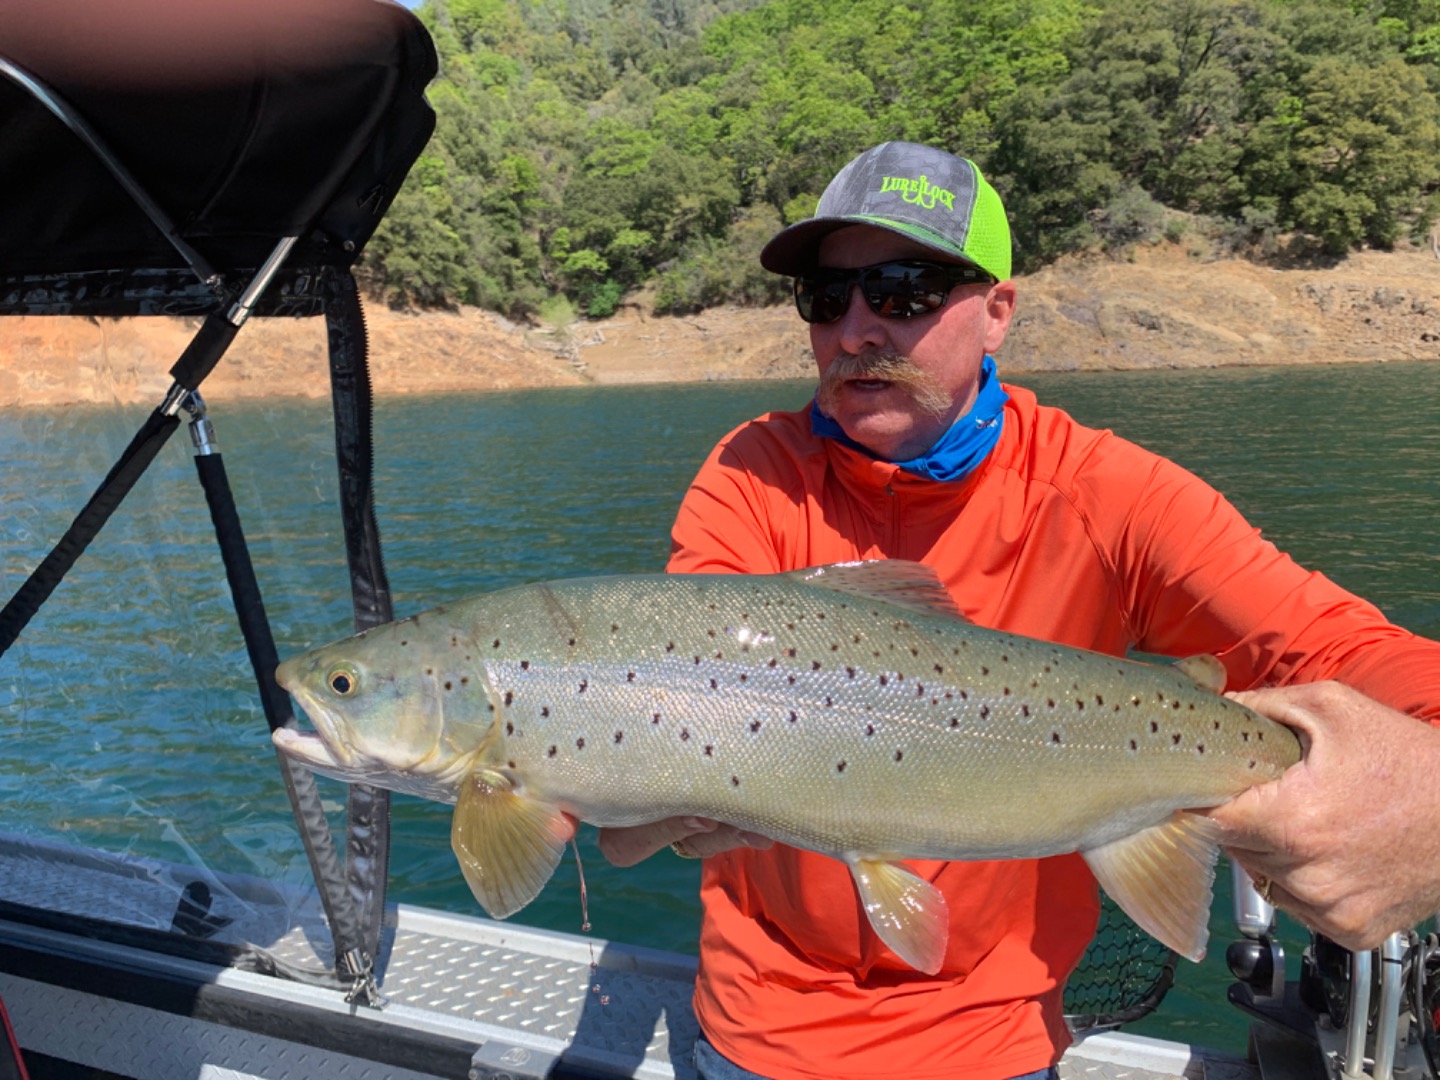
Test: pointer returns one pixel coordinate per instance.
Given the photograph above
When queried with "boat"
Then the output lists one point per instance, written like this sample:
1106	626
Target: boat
238	171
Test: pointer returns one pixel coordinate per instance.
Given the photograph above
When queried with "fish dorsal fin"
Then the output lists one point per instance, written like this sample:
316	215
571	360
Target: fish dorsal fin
507	845
1162	878
905	584
907	912
1205	671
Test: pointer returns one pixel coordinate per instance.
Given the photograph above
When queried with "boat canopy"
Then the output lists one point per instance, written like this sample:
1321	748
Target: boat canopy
239	125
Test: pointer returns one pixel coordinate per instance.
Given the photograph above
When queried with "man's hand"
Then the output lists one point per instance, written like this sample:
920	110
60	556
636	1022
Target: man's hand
1349	838
698	837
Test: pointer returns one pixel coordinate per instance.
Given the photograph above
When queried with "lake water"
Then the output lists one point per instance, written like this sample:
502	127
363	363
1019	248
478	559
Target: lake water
128	717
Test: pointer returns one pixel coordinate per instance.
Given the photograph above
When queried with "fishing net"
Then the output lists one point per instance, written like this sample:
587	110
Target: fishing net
1123	976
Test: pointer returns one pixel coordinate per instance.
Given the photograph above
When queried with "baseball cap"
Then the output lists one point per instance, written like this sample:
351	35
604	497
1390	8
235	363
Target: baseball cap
931	196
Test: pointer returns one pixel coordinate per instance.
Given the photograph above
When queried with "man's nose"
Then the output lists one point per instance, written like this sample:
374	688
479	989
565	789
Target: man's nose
859	328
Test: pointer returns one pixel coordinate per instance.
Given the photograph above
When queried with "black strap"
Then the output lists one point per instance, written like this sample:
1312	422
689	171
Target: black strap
367	848
260	643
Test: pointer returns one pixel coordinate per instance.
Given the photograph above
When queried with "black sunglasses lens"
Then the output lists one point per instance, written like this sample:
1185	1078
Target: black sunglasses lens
904	290
822	297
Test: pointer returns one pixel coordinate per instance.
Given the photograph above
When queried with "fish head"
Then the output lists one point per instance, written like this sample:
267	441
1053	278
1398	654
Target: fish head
387	711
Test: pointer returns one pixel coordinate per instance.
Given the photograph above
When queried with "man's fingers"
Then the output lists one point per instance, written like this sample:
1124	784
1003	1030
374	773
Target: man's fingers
635	843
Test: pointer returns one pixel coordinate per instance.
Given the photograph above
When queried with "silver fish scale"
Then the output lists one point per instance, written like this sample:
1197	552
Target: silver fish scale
630	699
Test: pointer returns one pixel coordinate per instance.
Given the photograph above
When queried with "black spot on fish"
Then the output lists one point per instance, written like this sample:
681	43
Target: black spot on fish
464	680
495	644
869	729
684	734
1079	705
509	697
614	628
618	736
1134	745
1175	739
754	725
814	665
734	781
571	643
552	751
1154	727
1050	702
449	685
773	662
954	722
655	719
709	633
884	680
1055	737
709	749
511	764
794	716
1025	711
840	767
856	639
429	671
583	684
743	676
669	646
580	743
1175	704
850	671
939	670
545	710
835	647
984	670
1099	700
984	712
790	653
1004	659
829	702
1217	725
509	728
1259	736
630	676
1244	736
697	660
1004	691
714	684
790	679
899	754
1200	747
1135	700
404	643
1252	763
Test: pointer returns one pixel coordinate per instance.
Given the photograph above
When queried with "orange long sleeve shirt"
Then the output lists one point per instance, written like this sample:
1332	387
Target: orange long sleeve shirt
1064	533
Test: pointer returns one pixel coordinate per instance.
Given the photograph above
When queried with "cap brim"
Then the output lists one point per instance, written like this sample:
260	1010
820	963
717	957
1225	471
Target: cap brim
793	250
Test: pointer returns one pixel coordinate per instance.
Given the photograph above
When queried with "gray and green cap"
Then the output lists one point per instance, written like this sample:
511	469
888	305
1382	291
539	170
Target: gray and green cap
935	198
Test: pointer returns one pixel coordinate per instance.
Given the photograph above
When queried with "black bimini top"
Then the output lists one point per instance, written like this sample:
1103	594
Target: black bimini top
243	121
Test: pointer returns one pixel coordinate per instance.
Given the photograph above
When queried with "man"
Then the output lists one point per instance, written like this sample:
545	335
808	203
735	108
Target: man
913	449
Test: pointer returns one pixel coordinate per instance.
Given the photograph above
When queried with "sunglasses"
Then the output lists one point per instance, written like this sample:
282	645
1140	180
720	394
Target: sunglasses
894	290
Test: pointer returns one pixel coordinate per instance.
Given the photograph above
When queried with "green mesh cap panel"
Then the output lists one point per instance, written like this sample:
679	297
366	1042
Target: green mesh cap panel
933	197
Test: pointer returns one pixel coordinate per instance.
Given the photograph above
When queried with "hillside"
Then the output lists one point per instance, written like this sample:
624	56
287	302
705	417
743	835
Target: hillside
1164	307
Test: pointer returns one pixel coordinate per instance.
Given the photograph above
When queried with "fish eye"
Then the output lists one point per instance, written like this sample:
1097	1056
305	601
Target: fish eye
342	681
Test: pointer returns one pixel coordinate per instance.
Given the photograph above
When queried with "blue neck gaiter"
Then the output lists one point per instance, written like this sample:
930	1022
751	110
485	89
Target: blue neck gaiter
965	444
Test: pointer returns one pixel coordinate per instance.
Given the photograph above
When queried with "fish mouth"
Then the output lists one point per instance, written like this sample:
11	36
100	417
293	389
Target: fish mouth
325	748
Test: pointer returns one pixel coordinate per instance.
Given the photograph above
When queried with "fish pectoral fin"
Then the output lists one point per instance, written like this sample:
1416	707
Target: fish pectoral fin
1162	878
1204	671
507	845
907	912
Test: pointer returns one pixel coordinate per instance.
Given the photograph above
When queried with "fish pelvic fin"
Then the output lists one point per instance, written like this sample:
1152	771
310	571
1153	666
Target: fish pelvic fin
900	582
1205	671
907	912
508	845
1162	878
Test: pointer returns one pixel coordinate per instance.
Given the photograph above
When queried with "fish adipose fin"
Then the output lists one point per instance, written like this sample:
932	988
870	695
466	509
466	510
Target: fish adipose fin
899	582
507	845
907	912
1162	878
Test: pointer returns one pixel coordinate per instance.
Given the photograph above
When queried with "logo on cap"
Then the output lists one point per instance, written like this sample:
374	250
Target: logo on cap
920	192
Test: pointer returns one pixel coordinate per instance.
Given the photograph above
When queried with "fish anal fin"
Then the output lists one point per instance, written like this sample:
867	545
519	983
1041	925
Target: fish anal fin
899	582
907	912
1162	878
507	845
1204	671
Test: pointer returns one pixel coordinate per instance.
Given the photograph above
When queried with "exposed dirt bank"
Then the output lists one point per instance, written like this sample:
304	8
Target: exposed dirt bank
1162	308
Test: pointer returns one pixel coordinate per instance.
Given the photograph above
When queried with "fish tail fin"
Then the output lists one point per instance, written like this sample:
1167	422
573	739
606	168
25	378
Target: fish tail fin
907	912
507	845
1162	878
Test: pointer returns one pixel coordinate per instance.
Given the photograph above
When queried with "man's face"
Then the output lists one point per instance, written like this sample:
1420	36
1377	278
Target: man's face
900	415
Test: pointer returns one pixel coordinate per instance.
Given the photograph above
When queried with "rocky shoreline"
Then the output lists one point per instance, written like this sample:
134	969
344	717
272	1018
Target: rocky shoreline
1161	307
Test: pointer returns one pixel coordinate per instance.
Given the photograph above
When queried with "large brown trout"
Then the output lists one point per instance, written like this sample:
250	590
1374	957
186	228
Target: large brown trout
850	710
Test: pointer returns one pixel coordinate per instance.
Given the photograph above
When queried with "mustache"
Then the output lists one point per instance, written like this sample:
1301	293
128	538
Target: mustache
886	365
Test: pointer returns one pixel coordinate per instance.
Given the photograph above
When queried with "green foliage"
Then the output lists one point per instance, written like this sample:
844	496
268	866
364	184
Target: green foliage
588	148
